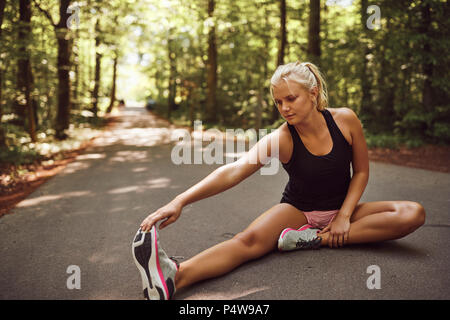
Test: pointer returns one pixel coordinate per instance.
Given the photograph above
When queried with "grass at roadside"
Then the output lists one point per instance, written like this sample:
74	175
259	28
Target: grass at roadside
22	157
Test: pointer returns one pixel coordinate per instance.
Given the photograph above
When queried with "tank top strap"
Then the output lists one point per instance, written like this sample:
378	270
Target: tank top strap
330	122
335	132
295	137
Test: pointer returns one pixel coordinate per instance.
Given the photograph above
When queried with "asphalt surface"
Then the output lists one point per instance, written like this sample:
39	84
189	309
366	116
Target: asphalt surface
87	216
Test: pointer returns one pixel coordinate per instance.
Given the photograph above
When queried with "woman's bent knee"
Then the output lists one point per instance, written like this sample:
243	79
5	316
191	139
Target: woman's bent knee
250	243
411	216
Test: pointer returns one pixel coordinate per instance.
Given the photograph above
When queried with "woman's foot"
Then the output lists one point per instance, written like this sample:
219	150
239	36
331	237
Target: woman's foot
157	270
303	238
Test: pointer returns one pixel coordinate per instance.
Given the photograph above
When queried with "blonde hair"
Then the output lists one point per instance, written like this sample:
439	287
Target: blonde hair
307	75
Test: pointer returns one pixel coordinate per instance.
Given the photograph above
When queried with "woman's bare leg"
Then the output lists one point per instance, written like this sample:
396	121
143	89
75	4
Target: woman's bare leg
383	220
259	238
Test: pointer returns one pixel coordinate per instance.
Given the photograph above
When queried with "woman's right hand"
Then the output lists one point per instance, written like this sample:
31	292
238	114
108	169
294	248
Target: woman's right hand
170	212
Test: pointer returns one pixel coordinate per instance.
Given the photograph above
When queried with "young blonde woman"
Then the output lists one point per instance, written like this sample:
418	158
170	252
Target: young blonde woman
320	204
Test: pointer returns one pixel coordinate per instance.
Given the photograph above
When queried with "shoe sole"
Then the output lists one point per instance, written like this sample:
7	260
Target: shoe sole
306	226
145	255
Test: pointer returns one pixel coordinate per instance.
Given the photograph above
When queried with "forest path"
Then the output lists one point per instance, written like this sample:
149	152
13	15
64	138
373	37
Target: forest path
88	214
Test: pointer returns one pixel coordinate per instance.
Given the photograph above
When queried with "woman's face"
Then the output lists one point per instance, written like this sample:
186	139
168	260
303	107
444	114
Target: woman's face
293	101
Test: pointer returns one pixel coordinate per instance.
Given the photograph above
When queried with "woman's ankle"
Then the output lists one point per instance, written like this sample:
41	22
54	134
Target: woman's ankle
324	237
179	283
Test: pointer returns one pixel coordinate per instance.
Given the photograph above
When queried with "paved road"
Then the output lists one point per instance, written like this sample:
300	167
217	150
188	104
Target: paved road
88	214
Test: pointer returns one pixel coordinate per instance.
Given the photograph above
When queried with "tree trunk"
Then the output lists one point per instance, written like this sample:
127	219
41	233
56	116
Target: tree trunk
391	83
63	65
98	65
2	10
366	97
113	86
24	101
158	82
281	47
314	32
427	66
211	67
2	131
76	58
283	33
260	105
385	114
172	76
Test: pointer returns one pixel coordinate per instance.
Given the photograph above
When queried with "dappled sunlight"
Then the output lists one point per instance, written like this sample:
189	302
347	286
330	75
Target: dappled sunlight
139	137
118	209
90	156
144	137
110	110
75	166
125	156
46	198
159	183
136	127
82	162
108	138
124	190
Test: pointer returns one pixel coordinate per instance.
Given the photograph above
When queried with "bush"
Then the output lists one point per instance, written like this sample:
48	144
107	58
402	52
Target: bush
382	141
393	141
17	156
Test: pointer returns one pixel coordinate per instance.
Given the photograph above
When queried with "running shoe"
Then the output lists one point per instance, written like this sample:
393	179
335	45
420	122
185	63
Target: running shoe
303	238
156	268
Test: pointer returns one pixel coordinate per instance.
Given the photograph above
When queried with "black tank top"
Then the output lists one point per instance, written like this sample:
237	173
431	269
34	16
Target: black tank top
318	182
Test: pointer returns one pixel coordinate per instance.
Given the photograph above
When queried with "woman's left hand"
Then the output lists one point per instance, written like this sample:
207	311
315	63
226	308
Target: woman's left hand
338	228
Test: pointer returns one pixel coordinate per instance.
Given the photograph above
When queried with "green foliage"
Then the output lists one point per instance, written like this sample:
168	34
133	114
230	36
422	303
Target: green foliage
382	74
393	141
441	131
16	155
382	141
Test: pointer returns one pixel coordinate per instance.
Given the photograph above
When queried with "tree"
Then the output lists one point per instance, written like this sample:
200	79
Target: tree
98	66
314	32
172	72
281	47
283	33
365	76
2	131
113	82
211	67
24	102
63	37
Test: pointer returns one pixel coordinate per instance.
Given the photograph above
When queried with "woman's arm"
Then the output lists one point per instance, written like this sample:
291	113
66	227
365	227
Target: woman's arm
340	226
360	165
221	179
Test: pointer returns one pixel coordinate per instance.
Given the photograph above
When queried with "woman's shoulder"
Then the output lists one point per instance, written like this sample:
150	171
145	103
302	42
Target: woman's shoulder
285	142
284	133
344	114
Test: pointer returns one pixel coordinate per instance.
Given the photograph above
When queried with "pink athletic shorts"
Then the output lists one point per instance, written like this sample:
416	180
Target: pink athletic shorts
320	219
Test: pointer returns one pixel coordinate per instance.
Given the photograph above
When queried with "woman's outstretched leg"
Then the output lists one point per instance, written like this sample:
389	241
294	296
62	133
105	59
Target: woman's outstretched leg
258	239
382	220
